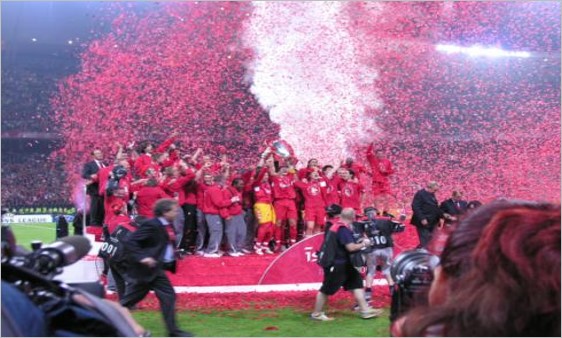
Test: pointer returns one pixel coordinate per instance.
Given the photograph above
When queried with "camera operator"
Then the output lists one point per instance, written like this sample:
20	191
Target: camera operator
379	230
499	276
342	272
115	184
119	228
35	305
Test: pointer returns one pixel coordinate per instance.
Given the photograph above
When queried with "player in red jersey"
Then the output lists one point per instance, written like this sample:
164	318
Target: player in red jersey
314	191
284	196
351	192
381	169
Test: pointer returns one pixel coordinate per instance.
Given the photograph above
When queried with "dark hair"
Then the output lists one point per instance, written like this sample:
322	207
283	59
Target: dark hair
333	210
236	181
324	168
152	182
502	266
143	145
312	159
164	205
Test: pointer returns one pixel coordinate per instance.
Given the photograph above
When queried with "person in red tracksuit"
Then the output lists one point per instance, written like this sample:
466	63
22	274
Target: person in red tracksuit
284	196
351	193
147	196
314	191
213	202
177	178
145	158
233	215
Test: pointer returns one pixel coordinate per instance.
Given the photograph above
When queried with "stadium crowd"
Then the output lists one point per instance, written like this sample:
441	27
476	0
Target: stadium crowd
26	190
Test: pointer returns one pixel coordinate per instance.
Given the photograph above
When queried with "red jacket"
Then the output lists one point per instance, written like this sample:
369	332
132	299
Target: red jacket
175	187
147	197
118	220
213	200
201	187
103	177
109	200
235	208
141	164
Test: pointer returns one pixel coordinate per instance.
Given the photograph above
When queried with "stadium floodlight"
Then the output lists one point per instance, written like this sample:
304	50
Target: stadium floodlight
480	51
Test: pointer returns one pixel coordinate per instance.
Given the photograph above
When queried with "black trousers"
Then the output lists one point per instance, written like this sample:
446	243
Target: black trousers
96	210
118	272
424	234
136	291
190	226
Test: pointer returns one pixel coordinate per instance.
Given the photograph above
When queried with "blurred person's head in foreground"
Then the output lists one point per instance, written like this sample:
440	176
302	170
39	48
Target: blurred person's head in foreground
499	276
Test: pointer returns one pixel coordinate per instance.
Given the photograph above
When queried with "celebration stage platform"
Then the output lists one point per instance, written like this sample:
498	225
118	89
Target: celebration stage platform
292	270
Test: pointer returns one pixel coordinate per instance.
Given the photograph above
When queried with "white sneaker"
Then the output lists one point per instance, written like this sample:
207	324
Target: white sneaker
212	255
268	251
200	253
234	254
370	313
320	317
246	251
259	252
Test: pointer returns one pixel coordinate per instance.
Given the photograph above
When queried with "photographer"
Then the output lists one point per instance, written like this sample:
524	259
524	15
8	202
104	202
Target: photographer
117	188
379	230
342	272
499	276
35	305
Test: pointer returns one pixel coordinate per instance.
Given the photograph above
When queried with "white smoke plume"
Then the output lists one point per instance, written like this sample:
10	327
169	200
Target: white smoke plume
307	73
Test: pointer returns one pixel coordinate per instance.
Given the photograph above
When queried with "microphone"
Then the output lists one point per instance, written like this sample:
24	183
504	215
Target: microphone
66	251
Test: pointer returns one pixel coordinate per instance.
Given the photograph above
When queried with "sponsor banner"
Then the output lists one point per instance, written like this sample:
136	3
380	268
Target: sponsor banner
69	218
297	264
11	218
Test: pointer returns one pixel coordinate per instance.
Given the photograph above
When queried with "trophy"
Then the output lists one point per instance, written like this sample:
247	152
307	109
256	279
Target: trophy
282	149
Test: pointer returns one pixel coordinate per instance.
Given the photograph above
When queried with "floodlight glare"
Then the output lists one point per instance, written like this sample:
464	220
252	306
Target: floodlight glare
481	51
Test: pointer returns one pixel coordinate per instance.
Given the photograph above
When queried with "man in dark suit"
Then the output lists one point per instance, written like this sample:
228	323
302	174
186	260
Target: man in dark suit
90	173
151	251
426	213
454	206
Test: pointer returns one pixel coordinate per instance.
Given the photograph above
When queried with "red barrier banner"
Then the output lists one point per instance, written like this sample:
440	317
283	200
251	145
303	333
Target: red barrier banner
297	264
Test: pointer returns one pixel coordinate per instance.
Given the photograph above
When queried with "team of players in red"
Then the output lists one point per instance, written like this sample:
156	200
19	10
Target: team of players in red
272	196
